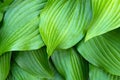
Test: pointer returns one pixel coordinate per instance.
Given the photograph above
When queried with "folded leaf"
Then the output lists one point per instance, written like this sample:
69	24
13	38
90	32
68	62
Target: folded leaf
20	28
103	51
35	62
98	74
4	65
63	23
70	65
106	17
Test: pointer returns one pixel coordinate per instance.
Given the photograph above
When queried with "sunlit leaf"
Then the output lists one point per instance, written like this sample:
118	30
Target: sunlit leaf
4	65
106	17
70	65
103	51
63	23
20	26
98	74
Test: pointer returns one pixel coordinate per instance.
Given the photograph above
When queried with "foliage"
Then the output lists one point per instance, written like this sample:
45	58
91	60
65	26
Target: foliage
59	39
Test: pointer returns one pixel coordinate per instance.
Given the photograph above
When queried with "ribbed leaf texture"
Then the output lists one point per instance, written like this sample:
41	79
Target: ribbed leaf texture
70	64
103	51
63	23
59	39
20	26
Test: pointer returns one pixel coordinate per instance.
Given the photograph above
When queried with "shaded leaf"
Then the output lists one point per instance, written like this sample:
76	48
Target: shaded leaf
1	16
3	7
106	17
4	65
70	65
20	28
18	73
103	51
98	74
63	23
35	62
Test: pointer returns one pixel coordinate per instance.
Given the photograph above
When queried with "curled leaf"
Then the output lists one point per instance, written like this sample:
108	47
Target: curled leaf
63	23
70	65
103	51
20	26
106	17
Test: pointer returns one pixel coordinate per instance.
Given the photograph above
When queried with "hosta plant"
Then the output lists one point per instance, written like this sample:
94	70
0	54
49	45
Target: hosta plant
59	39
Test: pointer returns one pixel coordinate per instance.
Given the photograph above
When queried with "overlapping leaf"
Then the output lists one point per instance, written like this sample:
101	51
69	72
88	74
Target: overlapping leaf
63	23
3	7
20	28
103	51
4	65
18	73
106	17
35	62
70	65
98	74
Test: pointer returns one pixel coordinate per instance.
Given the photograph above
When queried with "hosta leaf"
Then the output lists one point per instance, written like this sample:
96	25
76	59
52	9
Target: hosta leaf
63	23
18	73
106	17
1	16
4	65
3	7
20	29
103	51
35	62
70	65
98	74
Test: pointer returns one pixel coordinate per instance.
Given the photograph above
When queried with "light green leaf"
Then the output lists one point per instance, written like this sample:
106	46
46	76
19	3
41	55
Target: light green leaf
4	65
18	73
35	62
20	28
63	23
70	65
98	74
106	17
103	51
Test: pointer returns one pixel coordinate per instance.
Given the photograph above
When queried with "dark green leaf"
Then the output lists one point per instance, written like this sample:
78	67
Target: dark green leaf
35	62
98	74
70	65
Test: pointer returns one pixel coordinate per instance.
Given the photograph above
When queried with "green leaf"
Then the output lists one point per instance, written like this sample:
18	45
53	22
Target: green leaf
1	16
4	65
20	28
63	23
3	7
35	62
98	74
103	51
18	73
70	65
106	17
